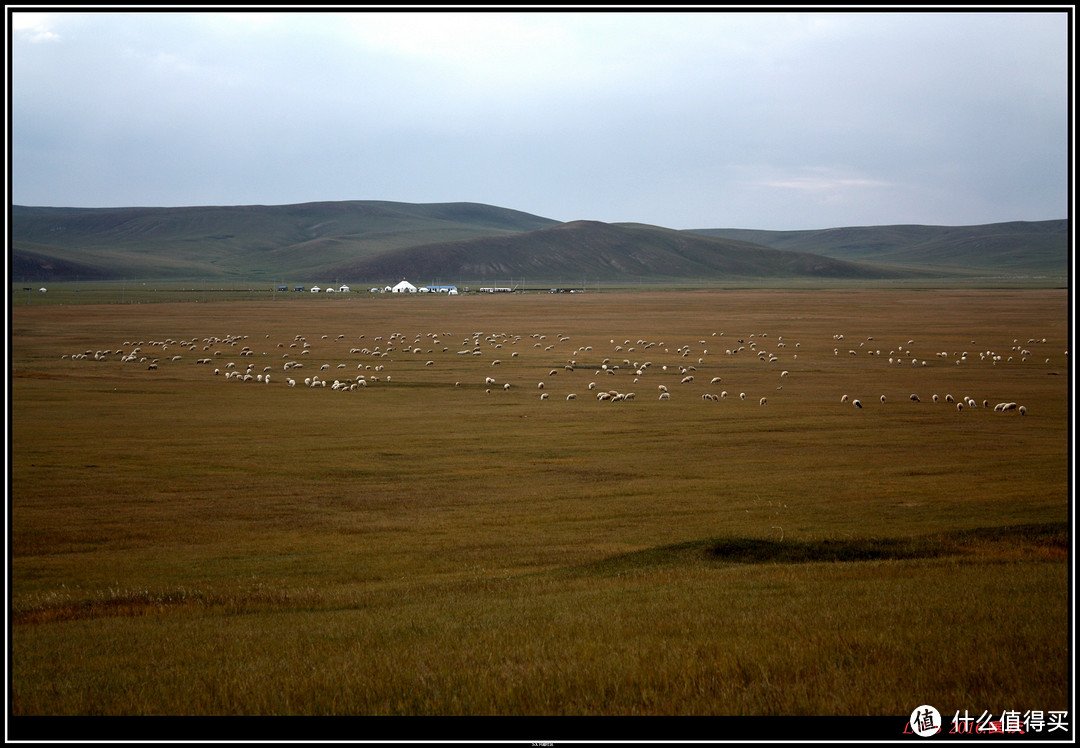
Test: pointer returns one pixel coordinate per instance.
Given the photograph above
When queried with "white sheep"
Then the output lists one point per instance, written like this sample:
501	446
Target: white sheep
856	403
665	395
571	396
913	398
844	399
762	401
742	395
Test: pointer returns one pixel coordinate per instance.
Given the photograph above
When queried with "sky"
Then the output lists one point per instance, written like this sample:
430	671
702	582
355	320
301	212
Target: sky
694	119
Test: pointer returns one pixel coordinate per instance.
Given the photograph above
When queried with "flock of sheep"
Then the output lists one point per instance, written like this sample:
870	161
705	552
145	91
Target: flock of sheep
616	372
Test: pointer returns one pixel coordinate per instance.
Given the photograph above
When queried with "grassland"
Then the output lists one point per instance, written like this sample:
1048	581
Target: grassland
187	544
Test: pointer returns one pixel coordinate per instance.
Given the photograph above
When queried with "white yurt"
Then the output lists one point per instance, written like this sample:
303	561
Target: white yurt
404	287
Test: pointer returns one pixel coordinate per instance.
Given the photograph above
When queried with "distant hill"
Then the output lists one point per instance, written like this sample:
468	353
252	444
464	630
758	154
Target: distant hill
608	252
255	241
379	242
1038	247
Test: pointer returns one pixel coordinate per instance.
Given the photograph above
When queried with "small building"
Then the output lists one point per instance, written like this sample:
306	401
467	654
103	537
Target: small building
404	287
298	288
452	290
343	289
315	289
283	288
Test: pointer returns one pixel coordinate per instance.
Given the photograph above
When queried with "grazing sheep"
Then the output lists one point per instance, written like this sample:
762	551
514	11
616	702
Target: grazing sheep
959	407
543	396
489	380
715	380
882	399
1022	410
742	395
934	398
571	396
844	399
539	385
665	395
505	386
914	398
856	403
661	387
949	399
762	401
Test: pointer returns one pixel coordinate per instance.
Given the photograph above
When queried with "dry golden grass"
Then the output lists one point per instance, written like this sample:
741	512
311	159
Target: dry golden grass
184	544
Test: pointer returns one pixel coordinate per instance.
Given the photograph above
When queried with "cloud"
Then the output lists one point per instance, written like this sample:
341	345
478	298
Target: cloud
33	27
685	119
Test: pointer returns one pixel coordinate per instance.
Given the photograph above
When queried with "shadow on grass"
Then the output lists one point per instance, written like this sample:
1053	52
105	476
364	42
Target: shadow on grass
1047	541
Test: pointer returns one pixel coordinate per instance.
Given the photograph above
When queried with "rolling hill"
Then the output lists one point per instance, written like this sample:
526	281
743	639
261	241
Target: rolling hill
380	241
1038	247
609	252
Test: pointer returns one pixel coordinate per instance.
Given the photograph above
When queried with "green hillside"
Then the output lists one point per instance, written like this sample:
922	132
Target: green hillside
379	242
609	252
244	241
1037	247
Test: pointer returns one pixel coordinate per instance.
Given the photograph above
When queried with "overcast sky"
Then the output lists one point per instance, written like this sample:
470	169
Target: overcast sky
697	119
